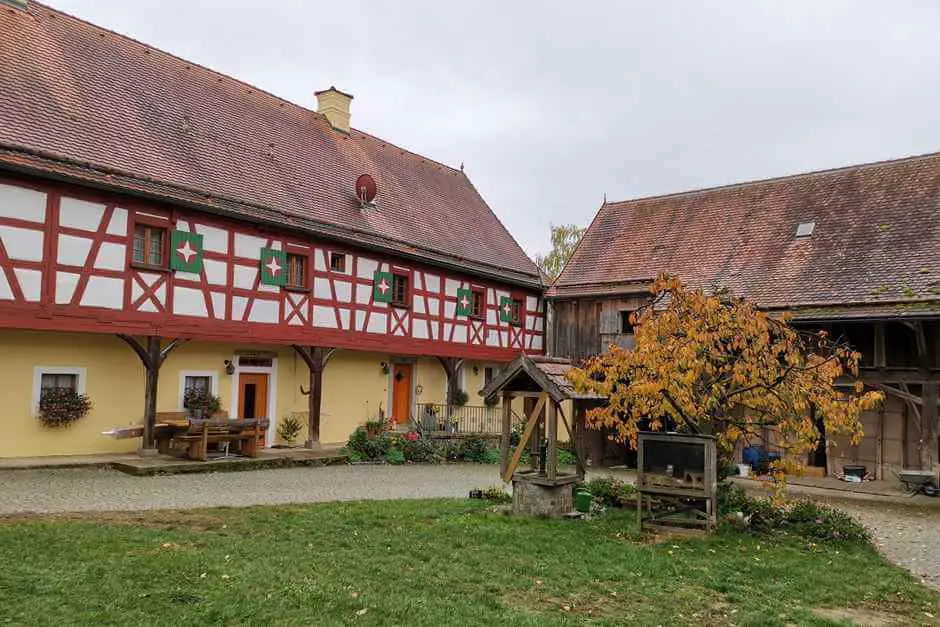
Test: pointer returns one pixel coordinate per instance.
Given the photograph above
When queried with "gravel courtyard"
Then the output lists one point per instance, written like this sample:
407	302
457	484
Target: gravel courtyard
909	535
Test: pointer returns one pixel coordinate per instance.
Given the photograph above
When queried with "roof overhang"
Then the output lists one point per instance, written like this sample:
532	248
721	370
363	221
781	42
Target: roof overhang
22	160
530	373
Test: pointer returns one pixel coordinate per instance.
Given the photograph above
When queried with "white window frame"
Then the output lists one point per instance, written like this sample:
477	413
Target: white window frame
38	371
212	374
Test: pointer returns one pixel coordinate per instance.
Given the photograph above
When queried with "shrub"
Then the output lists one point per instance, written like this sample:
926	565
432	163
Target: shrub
491	456
497	495
395	456
59	407
420	451
610	491
473	449
566	458
802	518
366	446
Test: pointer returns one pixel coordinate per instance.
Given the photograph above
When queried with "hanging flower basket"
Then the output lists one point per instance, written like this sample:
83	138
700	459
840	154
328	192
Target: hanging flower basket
201	403
60	407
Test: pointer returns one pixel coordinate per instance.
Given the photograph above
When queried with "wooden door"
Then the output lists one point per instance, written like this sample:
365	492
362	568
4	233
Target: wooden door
401	392
253	398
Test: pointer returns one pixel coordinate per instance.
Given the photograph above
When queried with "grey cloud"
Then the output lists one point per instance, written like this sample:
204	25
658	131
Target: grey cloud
551	105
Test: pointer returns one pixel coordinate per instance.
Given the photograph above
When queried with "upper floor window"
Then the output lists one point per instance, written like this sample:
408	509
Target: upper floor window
150	245
400	290
625	325
477	303
337	262
296	272
516	315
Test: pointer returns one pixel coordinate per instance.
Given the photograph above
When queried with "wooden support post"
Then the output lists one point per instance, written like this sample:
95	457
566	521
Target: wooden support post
504	442
526	434
881	359
152	357
316	358
929	428
536	443
880	445
551	463
452	367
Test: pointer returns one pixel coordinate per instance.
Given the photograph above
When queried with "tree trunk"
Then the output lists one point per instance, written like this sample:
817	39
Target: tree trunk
452	368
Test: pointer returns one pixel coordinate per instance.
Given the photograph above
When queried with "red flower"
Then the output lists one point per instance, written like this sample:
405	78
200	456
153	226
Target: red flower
412	436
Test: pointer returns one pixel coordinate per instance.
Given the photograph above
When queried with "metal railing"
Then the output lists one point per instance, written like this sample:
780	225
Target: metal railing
457	419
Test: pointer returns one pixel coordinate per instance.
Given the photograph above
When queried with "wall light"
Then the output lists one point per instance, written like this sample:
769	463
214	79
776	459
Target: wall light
229	367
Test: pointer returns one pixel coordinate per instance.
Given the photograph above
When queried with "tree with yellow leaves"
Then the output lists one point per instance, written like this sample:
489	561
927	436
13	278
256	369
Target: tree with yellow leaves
715	364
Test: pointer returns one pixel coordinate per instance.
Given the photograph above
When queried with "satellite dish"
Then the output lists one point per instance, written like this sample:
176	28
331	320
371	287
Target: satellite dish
365	189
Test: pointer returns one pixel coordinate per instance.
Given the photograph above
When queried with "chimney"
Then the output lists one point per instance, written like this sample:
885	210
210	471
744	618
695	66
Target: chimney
16	4
334	104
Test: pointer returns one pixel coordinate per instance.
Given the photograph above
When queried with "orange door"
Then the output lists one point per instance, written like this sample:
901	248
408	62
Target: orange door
401	392
253	397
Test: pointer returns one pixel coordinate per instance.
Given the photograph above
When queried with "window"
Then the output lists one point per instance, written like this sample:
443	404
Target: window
478	304
55	381
197	382
400	290
625	325
150	245
56	377
296	272
489	373
516	317
255	361
202	380
337	262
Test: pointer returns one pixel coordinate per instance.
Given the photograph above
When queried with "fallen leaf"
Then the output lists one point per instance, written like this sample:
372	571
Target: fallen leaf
225	576
362	611
354	595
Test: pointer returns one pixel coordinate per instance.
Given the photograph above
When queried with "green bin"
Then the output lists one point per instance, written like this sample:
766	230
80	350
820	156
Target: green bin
582	501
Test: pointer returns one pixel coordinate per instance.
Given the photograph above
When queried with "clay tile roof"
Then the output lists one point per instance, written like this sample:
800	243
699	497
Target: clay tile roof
72	91
876	238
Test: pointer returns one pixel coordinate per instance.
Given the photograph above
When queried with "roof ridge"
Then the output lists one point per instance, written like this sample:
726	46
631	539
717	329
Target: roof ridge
772	179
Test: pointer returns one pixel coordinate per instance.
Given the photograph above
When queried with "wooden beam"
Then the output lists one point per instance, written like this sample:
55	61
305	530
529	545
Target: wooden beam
880	352
504	440
316	358
880	445
929	426
896	375
526	434
551	463
571	435
152	357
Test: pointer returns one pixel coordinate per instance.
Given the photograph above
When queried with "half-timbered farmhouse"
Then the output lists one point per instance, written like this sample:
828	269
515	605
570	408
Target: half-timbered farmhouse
165	227
854	250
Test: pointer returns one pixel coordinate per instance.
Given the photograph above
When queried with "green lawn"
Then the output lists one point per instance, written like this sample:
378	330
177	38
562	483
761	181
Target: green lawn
423	562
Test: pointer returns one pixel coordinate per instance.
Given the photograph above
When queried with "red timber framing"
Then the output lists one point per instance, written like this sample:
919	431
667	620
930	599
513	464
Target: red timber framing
66	264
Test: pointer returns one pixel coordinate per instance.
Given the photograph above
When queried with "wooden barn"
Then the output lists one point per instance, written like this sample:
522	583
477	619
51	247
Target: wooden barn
853	250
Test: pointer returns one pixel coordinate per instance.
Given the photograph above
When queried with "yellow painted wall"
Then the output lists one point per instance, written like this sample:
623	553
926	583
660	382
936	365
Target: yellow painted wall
354	387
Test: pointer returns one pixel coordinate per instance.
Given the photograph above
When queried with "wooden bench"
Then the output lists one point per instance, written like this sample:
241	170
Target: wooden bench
196	434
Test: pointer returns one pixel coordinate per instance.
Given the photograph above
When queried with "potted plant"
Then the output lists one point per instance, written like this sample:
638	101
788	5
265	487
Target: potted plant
289	429
59	407
201	403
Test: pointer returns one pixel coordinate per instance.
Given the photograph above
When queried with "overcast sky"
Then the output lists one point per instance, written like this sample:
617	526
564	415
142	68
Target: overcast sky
553	104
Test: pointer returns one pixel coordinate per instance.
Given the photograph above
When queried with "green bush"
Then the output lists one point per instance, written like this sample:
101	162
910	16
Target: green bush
491	456
566	458
420	451
497	495
802	518
395	456
366	448
610	492
473	449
